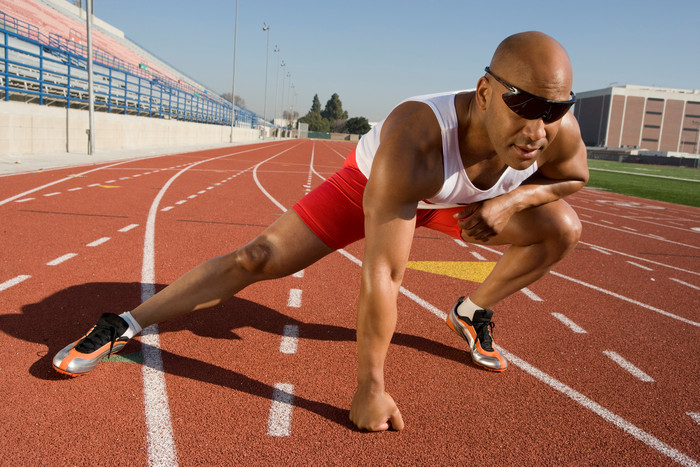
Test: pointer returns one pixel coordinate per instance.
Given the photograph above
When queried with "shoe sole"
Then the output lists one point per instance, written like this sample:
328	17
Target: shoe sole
461	330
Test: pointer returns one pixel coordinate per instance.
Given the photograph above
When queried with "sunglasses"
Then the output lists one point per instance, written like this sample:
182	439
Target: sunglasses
532	107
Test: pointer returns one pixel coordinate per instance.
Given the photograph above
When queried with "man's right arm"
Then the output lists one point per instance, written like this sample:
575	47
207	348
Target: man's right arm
403	172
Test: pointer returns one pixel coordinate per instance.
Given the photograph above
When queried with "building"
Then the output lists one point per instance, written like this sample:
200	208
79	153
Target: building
641	117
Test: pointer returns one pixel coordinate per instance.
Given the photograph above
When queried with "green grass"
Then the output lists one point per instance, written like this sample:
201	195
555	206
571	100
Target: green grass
635	181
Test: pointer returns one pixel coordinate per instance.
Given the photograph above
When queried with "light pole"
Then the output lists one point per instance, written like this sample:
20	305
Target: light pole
284	76
277	83
266	28
233	84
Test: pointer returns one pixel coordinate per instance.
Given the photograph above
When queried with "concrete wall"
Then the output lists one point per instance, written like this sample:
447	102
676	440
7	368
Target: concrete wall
39	129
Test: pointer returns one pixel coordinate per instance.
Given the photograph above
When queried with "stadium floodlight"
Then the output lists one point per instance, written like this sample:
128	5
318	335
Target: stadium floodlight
266	28
233	83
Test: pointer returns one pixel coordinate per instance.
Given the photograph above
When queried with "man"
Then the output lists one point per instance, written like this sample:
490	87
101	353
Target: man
490	166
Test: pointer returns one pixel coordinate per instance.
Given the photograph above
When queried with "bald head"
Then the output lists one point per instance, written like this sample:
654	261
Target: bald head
536	63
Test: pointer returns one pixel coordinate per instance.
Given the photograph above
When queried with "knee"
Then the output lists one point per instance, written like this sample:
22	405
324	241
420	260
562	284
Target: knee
565	230
255	258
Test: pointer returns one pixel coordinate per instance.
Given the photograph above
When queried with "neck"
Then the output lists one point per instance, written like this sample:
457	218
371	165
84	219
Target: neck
474	143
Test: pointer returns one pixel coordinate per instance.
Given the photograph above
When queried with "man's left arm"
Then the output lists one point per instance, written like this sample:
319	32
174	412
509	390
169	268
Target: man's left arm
562	172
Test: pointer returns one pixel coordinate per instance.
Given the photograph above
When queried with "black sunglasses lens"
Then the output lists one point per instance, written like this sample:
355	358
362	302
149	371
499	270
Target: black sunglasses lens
530	108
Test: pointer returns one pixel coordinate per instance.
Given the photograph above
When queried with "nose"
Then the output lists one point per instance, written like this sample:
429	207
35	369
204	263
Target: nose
534	129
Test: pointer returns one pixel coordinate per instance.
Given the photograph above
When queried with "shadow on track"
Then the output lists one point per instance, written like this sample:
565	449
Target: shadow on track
62	317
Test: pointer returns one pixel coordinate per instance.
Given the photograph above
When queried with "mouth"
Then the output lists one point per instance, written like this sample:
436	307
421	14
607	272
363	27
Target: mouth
527	152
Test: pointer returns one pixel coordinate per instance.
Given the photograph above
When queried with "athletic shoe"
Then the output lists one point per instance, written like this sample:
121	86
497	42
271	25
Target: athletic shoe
477	334
105	338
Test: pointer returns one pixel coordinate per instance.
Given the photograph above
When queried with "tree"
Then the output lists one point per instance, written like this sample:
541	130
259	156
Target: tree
334	109
316	105
357	126
239	100
316	122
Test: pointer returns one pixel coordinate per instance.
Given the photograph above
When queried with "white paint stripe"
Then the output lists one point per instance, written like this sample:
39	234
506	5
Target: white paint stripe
78	188
601	411
569	324
608	292
168	208
629	228
298	274
656	237
477	256
628	366
99	241
459	242
52	194
531	295
610	251
71	177
12	282
290	336
279	422
108	181
294	299
191	196
640	266
97	184
626	299
695	416
685	283
600	250
24	200
128	227
61	259
608	222
160	439
576	396
201	192
182	201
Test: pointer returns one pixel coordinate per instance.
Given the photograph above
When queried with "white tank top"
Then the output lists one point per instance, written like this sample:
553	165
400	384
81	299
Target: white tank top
457	189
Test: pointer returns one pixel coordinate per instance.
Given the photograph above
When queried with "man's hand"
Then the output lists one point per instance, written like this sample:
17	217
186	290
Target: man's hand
375	411
483	220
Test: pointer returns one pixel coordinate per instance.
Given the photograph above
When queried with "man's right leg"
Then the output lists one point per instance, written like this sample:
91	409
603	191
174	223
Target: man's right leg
284	248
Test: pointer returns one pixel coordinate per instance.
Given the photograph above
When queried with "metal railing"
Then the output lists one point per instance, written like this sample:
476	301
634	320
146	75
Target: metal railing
52	70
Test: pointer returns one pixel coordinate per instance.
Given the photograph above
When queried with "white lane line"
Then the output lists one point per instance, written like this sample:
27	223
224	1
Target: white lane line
99	241
96	184
459	242
191	196
608	222
655	237
279	422
628	366
201	192
168	208
290	336
531	295
569	323
695	416
24	200
12	282
610	251
477	256
685	283
640	266
294	299
108	181
128	227
298	274
52	194
78	188
574	395
599	250
629	228
608	292
159	430
182	201
70	177
61	259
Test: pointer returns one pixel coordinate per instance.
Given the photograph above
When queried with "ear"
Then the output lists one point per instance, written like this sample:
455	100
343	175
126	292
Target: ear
483	93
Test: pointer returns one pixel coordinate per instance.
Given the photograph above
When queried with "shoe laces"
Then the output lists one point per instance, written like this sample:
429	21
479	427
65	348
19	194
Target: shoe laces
483	333
99	336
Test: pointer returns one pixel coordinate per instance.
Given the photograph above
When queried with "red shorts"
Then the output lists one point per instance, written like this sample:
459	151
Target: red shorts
333	210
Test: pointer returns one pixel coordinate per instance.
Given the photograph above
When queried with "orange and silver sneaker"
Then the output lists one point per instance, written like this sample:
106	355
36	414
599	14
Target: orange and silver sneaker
105	338
476	332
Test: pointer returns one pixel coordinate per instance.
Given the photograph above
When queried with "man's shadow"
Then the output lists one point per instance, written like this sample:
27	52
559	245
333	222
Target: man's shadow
62	317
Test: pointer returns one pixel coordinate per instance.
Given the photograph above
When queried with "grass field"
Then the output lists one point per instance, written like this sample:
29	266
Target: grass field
647	181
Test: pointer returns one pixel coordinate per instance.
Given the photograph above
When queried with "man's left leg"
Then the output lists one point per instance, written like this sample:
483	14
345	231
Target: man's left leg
539	238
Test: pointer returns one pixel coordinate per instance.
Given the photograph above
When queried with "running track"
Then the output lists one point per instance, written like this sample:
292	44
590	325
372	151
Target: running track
603	351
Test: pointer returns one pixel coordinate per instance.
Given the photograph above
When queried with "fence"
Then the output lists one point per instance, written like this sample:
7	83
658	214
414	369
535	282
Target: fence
52	70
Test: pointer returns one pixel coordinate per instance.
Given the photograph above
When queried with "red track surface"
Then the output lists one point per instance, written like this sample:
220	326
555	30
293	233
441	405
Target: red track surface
632	285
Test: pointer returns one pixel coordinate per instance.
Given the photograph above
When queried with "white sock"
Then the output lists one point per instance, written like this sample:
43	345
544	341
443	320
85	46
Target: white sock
467	309
134	327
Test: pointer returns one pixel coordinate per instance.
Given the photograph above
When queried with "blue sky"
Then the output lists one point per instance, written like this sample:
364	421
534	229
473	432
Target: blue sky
376	53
